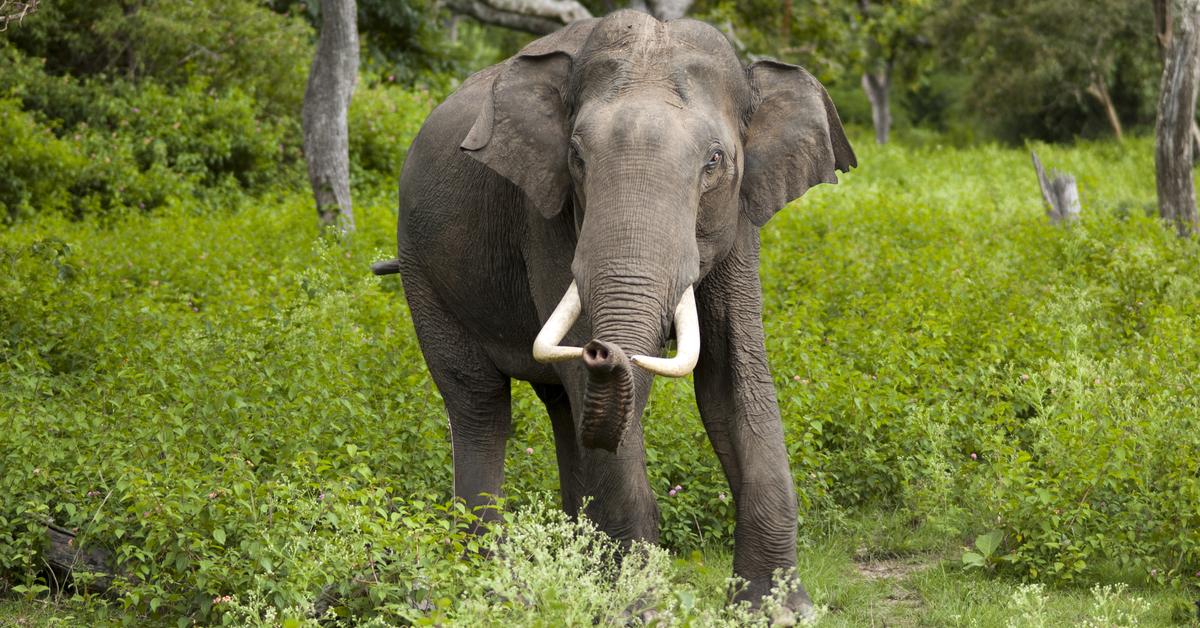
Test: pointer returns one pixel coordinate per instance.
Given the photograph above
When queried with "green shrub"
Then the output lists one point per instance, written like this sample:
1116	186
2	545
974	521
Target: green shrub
36	167
121	145
89	146
383	121
229	45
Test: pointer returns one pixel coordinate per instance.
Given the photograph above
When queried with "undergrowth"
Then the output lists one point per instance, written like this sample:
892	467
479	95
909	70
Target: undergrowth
239	412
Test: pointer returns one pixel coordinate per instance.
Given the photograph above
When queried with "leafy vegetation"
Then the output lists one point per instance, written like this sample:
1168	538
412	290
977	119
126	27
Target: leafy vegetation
236	408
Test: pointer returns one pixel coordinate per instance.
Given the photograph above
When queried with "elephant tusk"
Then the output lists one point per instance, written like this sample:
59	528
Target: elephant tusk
545	347
687	336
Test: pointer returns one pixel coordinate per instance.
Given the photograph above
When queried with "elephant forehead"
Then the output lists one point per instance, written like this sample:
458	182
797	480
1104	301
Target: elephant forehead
640	34
639	121
632	53
632	32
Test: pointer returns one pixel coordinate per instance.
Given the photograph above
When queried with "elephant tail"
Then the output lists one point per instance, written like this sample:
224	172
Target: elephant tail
386	267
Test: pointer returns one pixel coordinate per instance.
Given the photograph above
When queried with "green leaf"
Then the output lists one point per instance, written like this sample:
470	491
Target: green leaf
987	543
219	535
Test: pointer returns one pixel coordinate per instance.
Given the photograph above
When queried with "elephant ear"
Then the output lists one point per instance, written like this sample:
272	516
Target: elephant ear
521	132
794	142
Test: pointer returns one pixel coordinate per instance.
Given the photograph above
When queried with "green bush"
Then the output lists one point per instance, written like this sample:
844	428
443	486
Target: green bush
89	146
228	44
152	103
141	147
35	166
383	121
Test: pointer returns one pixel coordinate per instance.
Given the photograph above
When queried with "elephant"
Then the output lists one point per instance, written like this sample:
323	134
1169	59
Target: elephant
566	213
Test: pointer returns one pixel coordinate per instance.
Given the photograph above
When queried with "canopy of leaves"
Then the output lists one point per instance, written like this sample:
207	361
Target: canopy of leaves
1031	62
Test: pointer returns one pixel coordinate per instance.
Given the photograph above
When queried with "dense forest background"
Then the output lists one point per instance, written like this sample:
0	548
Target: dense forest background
204	96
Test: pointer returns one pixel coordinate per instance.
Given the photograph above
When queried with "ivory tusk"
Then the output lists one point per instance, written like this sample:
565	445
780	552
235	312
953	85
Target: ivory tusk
687	336
545	347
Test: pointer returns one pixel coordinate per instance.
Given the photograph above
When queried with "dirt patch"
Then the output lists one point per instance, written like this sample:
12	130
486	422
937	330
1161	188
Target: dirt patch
903	605
891	569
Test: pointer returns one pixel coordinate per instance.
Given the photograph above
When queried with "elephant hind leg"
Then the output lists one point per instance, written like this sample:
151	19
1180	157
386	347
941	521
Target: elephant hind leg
566	446
476	394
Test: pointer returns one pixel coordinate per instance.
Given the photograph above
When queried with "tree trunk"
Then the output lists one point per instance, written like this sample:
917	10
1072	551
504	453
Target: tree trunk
326	103
785	29
1163	29
1173	156
1162	25
540	17
876	85
1099	91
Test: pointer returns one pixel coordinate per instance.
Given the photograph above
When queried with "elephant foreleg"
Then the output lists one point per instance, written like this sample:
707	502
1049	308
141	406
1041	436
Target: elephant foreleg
736	396
566	446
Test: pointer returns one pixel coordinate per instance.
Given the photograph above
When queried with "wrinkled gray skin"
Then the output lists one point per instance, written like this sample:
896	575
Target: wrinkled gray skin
590	157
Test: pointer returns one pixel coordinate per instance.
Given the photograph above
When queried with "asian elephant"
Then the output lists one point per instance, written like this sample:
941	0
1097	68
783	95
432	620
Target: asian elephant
566	212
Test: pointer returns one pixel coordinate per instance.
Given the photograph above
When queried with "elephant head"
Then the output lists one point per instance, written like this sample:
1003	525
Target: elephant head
661	145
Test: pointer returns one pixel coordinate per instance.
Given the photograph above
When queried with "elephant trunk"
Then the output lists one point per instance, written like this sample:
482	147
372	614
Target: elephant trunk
608	405
631	320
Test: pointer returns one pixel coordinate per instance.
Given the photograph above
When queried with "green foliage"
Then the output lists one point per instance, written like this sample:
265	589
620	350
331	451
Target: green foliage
85	147
834	39
383	121
1036	65
137	106
985	546
993	68
35	165
233	45
236	409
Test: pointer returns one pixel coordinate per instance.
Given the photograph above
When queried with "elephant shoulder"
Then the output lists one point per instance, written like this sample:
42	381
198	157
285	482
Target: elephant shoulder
450	121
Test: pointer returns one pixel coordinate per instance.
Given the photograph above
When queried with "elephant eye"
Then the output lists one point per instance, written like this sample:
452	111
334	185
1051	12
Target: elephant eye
714	160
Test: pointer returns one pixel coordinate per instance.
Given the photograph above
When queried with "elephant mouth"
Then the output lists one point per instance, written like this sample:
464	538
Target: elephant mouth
609	401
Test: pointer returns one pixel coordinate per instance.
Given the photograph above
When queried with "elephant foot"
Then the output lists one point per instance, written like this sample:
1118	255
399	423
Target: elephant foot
795	608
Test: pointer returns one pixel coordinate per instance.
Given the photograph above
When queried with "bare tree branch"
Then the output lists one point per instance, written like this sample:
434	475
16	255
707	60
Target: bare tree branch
669	9
13	11
540	17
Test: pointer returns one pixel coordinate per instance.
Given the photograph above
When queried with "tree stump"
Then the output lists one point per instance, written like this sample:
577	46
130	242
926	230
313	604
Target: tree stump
1059	191
66	559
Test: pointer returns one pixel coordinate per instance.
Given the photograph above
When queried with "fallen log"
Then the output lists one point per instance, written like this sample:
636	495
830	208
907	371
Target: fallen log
66	559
